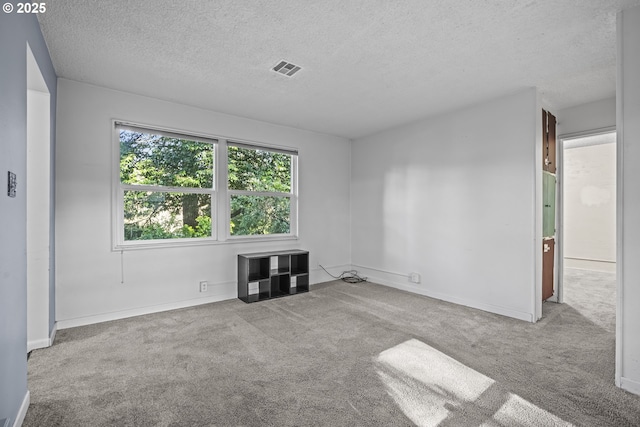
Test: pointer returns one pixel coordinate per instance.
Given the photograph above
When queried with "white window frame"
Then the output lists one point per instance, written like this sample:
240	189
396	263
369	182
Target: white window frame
292	195
119	188
220	193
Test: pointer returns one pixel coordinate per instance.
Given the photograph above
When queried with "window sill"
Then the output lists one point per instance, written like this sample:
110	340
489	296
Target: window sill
181	243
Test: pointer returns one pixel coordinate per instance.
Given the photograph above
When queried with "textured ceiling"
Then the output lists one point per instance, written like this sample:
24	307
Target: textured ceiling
367	65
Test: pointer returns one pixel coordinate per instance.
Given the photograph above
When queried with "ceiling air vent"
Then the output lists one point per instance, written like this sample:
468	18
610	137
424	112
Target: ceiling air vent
286	68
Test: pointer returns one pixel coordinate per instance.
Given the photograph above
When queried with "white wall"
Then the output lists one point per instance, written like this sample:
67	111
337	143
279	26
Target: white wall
589	203
38	216
89	273
628	128
587	117
452	198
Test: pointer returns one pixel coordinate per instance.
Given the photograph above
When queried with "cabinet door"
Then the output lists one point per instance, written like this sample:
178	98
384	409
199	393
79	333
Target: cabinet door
551	166
548	142
548	260
549	204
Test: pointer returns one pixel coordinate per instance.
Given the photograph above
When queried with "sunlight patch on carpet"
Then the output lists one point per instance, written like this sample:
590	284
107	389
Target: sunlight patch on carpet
433	389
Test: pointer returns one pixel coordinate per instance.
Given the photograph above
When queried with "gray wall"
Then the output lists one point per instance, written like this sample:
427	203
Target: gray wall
15	32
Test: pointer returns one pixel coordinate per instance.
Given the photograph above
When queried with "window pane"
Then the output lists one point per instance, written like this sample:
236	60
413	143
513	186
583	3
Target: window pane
159	160
253	215
259	170
159	215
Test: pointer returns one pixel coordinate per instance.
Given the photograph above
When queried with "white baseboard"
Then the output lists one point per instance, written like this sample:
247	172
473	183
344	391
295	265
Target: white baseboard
36	344
375	276
23	410
42	343
630	385
221	292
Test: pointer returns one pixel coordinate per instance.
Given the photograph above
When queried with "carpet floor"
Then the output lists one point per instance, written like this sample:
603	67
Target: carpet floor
341	355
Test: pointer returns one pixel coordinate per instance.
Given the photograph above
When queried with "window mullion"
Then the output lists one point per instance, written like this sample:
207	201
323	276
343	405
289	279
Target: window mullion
222	198
259	193
293	218
166	189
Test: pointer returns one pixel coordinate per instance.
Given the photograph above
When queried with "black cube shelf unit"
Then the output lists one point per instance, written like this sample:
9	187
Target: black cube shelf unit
267	275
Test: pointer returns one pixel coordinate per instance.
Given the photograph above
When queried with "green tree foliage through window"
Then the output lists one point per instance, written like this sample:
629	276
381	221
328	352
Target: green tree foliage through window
167	187
259	171
152	161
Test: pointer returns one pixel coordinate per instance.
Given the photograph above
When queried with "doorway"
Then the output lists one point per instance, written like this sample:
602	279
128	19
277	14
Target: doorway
587	254
38	191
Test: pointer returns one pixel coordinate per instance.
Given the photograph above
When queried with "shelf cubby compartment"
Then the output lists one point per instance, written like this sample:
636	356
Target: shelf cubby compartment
299	284
280	285
300	264
302	283
259	269
279	264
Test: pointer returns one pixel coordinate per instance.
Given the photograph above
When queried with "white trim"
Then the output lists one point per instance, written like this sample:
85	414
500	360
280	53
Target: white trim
536	296
619	202
165	189
37	344
22	412
381	271
318	275
592	259
558	294
225	291
262	147
585	133
418	289
630	385
203	241
293	203
222	201
560	202
118	188
220	194
43	343
259	193
170	133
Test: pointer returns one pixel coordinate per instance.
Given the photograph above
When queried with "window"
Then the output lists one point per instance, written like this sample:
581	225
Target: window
166	193
166	186
261	190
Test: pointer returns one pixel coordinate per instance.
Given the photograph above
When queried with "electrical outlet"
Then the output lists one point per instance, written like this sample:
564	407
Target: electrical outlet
204	286
414	278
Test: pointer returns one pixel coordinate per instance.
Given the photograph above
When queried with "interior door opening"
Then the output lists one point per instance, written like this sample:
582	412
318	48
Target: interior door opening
587	273
38	195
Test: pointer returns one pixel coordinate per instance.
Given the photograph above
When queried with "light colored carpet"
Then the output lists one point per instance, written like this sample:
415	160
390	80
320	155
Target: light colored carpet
342	354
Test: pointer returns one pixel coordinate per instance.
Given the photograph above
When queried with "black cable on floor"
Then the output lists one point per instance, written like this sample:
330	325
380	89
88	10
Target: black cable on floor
350	276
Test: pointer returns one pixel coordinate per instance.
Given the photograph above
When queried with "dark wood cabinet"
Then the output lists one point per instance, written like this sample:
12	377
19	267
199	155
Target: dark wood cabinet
267	275
548	254
548	142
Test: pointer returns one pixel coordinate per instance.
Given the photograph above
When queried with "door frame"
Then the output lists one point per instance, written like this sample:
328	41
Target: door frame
39	206
558	289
